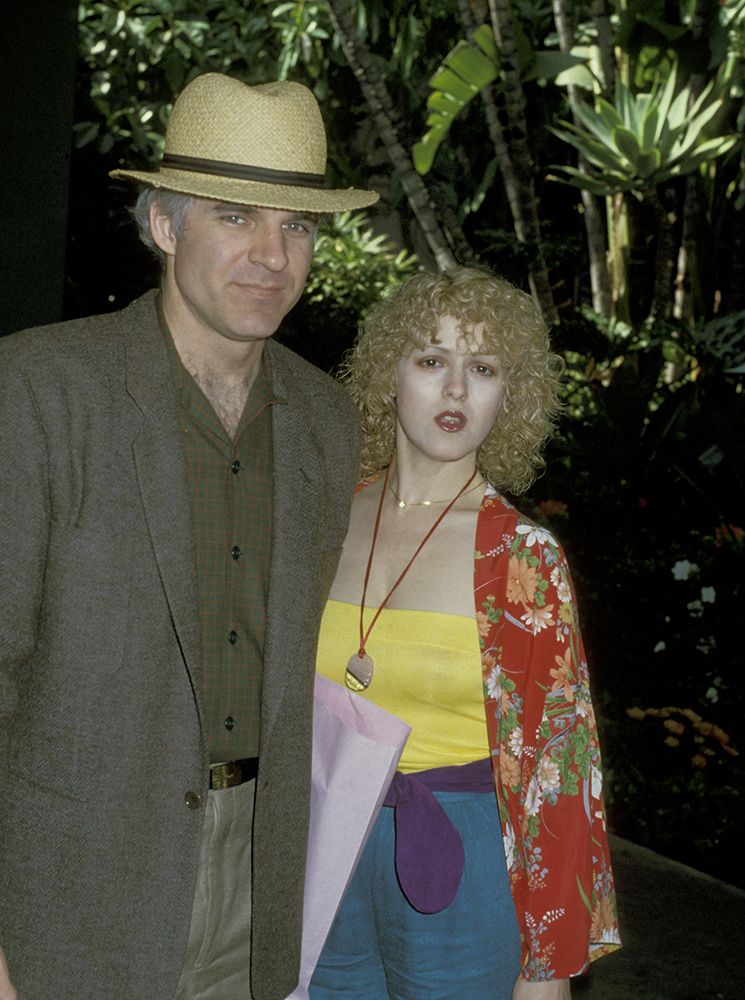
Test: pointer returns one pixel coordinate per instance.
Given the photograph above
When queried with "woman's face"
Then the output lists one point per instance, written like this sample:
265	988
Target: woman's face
448	394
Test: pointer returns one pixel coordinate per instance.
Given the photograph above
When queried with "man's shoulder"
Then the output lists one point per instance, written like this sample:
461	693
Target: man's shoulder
69	337
295	373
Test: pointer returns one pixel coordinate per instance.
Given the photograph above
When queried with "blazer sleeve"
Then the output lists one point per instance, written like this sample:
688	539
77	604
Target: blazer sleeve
24	531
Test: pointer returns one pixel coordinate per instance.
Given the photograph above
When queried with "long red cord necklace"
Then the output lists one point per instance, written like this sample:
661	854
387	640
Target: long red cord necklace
359	672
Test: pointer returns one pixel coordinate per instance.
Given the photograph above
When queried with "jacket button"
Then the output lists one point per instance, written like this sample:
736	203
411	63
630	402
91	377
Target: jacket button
232	637
236	552
230	723
235	468
193	799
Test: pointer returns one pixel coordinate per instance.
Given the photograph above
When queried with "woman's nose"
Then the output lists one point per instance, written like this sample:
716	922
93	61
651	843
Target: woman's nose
455	385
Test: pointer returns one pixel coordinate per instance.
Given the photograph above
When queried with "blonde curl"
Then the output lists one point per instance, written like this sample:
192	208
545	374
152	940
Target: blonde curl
513	330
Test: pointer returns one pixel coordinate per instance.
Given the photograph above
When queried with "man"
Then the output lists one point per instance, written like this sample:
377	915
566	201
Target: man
174	494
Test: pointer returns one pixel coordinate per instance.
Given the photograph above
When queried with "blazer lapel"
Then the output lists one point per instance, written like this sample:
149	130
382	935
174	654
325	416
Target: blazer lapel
297	499
161	473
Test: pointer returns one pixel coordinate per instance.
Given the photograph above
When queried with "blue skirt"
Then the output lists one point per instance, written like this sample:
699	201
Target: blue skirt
381	947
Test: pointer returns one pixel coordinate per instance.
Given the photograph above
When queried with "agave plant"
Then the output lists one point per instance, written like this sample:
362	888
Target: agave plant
644	139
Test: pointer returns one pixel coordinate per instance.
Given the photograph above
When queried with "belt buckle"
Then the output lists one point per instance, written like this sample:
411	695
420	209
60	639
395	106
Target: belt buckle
226	775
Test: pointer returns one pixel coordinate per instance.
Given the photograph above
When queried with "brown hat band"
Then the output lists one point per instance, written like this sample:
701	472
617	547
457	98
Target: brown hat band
242	171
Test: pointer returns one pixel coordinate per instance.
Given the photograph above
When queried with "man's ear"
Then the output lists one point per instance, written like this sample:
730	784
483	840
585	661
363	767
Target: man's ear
161	228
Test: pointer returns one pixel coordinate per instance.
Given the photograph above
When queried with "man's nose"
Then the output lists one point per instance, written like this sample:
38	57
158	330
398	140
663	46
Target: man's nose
268	247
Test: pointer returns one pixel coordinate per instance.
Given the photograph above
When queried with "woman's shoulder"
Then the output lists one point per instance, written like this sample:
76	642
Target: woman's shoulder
503	530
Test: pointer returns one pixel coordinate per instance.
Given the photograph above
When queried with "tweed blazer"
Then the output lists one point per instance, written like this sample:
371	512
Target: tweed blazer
100	674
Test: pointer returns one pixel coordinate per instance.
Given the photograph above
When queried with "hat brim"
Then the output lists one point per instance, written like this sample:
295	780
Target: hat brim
285	197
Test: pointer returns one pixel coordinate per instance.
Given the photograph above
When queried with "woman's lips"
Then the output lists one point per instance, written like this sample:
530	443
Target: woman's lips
451	421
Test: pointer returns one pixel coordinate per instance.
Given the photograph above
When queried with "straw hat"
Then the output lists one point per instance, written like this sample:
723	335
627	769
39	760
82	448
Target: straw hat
263	145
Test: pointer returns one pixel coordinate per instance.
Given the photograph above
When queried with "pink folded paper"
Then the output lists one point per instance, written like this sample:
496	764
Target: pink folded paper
356	749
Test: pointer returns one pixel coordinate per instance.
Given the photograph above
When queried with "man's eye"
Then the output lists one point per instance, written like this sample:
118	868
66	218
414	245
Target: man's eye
235	220
299	227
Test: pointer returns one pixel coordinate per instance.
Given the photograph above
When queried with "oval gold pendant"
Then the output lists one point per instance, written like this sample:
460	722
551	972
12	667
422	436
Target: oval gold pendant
359	672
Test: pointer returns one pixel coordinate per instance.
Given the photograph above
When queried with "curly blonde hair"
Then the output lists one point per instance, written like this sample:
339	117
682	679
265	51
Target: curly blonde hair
513	330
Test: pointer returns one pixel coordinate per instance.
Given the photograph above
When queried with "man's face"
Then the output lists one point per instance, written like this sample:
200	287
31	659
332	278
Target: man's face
235	270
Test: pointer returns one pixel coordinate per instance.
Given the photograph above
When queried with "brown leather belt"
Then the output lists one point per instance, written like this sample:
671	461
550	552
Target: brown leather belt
233	772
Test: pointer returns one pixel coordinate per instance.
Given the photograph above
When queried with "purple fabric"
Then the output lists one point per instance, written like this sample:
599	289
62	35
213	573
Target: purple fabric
429	851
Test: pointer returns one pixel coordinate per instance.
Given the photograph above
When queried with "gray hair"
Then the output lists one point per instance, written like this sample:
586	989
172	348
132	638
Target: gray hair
171	203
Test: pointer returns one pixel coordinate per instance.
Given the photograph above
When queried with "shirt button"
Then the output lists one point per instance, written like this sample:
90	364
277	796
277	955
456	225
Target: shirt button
193	799
230	723
235	468
232	637
236	552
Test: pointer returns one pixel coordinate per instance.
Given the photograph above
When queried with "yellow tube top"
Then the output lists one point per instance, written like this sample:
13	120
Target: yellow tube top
427	672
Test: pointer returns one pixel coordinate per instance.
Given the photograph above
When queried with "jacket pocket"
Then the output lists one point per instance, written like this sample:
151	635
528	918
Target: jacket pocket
80	645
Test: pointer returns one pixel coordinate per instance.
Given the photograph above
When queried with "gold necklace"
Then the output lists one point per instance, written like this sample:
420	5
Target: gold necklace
359	672
427	503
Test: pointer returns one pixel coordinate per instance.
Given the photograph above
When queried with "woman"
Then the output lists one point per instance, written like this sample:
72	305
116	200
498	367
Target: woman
490	879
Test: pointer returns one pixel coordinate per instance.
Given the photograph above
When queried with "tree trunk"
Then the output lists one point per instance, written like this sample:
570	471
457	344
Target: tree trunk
600	10
380	104
736	300
496	134
664	260
689	298
597	244
527	224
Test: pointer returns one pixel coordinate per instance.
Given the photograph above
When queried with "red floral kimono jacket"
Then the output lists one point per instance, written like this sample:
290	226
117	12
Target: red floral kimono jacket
544	745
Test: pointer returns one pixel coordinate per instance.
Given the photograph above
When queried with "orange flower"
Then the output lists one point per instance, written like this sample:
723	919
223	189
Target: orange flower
603	918
509	770
520	581
636	713
674	727
563	675
483	624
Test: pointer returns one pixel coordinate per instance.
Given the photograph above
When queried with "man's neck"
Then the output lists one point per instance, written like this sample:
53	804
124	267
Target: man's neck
225	370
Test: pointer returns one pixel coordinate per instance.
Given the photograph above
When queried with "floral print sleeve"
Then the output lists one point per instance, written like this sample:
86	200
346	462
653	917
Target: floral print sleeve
544	745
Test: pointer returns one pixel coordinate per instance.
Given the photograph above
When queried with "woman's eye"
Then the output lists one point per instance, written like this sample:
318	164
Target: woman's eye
485	370
429	362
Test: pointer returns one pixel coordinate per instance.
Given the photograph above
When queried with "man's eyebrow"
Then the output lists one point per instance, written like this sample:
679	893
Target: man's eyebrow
229	206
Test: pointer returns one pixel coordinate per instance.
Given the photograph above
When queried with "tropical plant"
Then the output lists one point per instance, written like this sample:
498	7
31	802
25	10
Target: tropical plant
635	145
643	139
353	266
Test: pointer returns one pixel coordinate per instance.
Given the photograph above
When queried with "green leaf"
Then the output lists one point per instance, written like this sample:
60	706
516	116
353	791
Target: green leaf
86	132
649	129
583	181
550	64
446	80
443	104
597	153
594	123
472	66
423	152
483	36
627	144
467	69
648	163
663	105
584	898
579	76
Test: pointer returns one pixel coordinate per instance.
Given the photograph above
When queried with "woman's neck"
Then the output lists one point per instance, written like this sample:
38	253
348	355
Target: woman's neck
422	482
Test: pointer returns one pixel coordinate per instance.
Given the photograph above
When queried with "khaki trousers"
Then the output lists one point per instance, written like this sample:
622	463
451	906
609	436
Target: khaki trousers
218	954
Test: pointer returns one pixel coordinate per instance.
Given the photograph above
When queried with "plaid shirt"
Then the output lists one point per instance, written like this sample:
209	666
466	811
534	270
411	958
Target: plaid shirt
231	500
